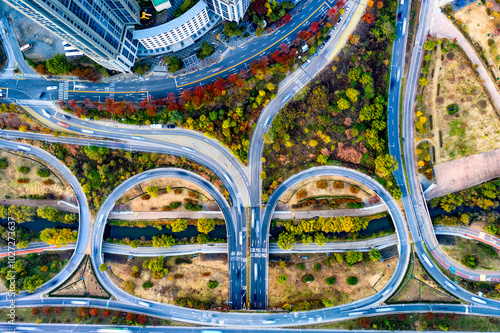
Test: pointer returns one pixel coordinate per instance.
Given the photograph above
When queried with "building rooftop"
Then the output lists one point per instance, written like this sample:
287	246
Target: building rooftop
171	25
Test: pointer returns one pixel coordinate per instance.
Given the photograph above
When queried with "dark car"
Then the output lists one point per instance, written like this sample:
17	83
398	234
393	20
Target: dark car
170	126
392	84
399	15
327	39
65	117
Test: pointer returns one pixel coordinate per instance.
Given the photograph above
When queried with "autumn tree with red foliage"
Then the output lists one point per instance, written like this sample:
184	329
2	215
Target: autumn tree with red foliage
47	310
106	313
304	35
94	312
429	316
314	27
83	312
401	317
35	311
260	7
130	317
364	322
58	310
331	13
368	18
141	319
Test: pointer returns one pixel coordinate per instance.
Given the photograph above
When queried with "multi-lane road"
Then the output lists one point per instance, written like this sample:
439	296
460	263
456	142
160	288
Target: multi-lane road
243	183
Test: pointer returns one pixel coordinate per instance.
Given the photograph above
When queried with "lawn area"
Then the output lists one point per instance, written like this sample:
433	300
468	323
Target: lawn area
326	188
481	24
187	277
487	256
168	190
453	111
372	276
51	187
417	322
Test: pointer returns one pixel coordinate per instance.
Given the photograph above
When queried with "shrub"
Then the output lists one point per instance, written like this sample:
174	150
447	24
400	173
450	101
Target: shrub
35	311
178	190
301	266
178	276
212	284
338	185
147	285
23	169
103	267
307	278
3	163
23	180
317	266
352	280
331	280
145	197
354	189
83	312
205	274
301	194
44	173
193	194
321	184
192	206
179	261
58	310
470	261
282	278
48	182
452	109
375	255
175	205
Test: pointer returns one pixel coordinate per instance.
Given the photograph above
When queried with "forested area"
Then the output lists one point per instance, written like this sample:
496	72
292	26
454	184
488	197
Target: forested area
317	230
31	271
22	214
100	169
475	204
340	118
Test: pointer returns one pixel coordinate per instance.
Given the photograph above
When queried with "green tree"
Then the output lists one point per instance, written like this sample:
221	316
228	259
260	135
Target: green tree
366	79
212	284
286	240
354	74
385	164
3	163
352	257
163	240
352	280
58	237
96	153
205	225
152	191
44	173
307	239
141	69
202	238
50	213
59	64
147	285
156	266
343	104
174	64
3	212
327	303
375	255
330	280
470	261
206	50
320	239
423	81
322	159
103	267
32	283
21	213
352	94
179	225
429	45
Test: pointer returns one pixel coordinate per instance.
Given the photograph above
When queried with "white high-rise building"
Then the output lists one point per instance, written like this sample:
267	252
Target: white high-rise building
232	10
101	29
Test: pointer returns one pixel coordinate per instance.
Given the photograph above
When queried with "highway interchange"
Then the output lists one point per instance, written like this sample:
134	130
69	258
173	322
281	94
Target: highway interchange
244	185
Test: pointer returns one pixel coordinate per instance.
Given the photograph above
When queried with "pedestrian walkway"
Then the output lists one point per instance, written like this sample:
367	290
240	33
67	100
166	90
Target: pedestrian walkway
466	172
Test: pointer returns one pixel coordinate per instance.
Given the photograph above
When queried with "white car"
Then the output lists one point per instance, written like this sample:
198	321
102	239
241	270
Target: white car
52	88
347	8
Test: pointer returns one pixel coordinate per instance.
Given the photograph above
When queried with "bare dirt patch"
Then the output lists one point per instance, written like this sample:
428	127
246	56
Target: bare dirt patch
173	286
475	127
290	197
82	283
294	290
132	200
482	29
11	189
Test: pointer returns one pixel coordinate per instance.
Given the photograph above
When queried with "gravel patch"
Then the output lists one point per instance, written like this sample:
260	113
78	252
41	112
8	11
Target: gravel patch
45	44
